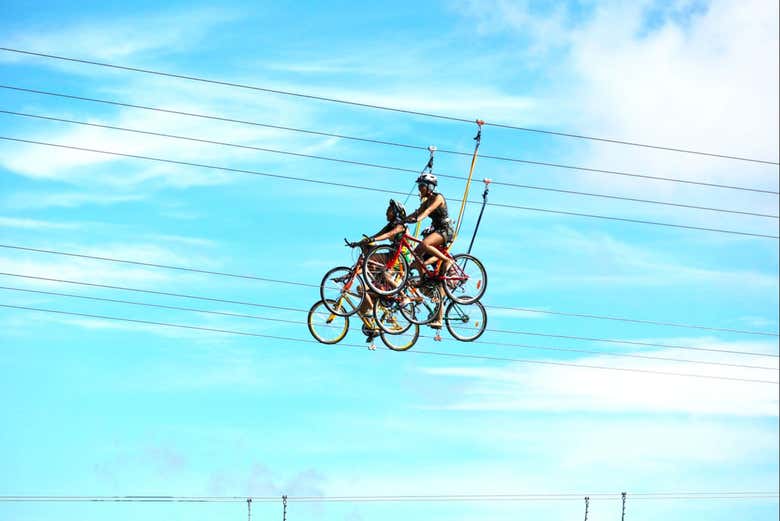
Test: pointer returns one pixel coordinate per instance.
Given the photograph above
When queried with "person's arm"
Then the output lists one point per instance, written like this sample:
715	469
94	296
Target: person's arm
388	231
374	237
420	213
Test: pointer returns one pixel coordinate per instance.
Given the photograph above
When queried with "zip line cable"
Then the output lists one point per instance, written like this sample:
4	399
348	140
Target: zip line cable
634	320
419	352
380	107
632	342
153	292
395	144
294	283
301	322
194	310
511	332
396	192
384	167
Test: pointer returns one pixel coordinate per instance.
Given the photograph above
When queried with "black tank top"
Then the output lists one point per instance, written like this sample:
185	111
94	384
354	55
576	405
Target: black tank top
440	215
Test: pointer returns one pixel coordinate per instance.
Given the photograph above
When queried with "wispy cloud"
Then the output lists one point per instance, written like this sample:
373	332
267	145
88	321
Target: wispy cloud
33	224
526	387
191	241
679	79
603	259
35	201
109	39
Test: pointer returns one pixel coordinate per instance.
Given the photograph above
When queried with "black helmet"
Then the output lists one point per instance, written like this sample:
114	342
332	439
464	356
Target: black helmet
428	180
398	210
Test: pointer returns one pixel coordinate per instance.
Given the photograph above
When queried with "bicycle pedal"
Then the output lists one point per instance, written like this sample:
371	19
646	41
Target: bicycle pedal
437	338
371	347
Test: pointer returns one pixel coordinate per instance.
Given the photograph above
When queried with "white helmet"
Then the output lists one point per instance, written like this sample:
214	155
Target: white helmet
429	180
398	210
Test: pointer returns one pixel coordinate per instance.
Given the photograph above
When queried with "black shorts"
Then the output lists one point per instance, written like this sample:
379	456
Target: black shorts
445	231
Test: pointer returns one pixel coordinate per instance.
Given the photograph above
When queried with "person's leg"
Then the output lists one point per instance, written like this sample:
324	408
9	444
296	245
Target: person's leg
367	308
432	243
436	322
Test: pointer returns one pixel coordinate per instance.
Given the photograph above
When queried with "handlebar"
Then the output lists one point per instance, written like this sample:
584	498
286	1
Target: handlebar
357	244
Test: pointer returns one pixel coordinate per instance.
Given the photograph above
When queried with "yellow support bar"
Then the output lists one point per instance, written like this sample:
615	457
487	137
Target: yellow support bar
468	182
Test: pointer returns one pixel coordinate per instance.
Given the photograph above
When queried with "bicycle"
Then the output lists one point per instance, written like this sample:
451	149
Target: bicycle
465	322
329	328
420	300
343	286
386	271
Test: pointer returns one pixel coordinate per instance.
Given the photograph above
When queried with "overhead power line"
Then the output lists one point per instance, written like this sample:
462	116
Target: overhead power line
532	310
396	192
304	284
155	292
632	342
635	321
512	332
301	322
393	498
384	167
381	107
420	352
395	144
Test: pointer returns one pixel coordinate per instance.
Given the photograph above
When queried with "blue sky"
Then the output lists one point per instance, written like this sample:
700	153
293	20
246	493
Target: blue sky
98	407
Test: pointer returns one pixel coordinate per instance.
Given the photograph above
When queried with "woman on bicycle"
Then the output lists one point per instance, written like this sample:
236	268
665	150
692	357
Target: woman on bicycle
440	232
396	217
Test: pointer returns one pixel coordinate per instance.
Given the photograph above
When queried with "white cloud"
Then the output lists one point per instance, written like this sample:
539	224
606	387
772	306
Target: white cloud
697	78
571	454
101	272
602	259
759	322
192	241
91	169
546	388
114	39
27	201
33	224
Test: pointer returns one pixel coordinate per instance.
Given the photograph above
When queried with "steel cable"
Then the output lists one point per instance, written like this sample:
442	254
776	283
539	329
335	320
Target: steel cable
380	107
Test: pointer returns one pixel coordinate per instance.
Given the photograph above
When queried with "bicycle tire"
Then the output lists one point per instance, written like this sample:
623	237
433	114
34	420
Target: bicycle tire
473	287
424	303
380	278
321	318
388	316
333	290
402	342
459	320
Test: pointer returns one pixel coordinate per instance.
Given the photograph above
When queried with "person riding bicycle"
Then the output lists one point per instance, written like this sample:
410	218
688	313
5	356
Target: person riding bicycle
396	217
440	232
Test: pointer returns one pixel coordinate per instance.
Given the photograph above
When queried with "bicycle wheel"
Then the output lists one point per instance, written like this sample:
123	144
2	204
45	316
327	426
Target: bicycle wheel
325	326
381	278
345	289
388	316
466	279
421	302
403	341
465	322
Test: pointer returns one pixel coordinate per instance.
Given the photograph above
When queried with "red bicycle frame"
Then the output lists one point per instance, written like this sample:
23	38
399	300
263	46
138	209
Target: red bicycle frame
458	276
